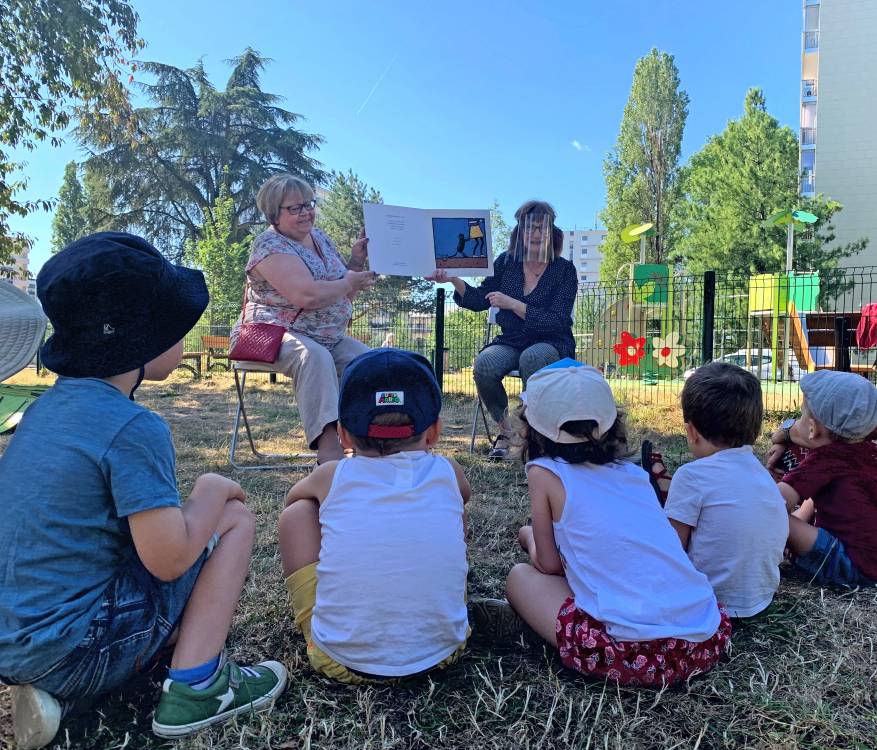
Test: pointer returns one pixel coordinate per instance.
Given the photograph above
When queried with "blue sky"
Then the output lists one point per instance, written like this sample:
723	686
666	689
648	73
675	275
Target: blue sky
453	104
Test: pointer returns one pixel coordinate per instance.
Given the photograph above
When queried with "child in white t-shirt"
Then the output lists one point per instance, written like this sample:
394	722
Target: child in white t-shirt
373	546
725	506
607	582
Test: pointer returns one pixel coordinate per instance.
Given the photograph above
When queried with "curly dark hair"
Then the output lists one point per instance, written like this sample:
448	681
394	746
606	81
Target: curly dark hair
610	448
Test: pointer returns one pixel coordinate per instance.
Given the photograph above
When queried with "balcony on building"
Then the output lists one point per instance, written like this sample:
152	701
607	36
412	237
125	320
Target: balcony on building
808	137
808	90
811	41
808	182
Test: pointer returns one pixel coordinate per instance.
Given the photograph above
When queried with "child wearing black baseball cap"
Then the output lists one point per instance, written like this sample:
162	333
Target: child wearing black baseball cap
373	546
104	566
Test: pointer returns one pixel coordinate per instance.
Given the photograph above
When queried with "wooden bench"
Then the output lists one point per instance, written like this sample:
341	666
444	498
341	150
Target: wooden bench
214	348
217	351
195	359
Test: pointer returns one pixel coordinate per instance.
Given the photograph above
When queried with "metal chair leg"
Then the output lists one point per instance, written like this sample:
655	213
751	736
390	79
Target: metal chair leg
240	384
474	424
479	407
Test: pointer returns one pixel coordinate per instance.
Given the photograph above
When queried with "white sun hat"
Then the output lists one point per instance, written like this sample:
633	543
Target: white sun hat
22	324
568	391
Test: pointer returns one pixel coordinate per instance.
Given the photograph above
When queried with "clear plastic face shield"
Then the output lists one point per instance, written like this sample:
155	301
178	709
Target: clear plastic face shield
534	238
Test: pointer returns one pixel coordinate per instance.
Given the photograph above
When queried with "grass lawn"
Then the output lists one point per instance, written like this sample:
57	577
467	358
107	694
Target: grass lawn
803	677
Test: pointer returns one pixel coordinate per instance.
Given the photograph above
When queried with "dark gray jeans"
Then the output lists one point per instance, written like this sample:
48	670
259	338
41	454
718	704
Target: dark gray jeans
496	361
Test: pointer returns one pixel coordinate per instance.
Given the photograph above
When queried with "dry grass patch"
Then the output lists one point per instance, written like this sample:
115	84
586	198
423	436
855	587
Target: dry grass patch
802	677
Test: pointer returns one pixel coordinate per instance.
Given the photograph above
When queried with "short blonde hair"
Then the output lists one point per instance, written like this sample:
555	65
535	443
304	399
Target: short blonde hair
275	189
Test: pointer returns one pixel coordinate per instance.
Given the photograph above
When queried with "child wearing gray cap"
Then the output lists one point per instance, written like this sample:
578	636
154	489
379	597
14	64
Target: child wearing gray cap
839	474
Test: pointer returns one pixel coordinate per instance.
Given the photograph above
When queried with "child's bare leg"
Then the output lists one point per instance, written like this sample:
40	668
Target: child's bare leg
805	511
525	538
207	617
802	536
299	531
537	598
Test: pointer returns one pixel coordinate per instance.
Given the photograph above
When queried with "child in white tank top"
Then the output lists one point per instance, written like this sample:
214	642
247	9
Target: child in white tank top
373	547
608	583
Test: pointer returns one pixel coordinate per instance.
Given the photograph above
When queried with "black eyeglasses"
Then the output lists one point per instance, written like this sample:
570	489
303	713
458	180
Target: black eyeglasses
297	209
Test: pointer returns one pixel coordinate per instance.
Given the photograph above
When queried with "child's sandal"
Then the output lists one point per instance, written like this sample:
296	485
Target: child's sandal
651	460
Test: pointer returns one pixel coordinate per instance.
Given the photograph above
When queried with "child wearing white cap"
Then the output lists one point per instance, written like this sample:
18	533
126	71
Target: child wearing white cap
839	474
608	583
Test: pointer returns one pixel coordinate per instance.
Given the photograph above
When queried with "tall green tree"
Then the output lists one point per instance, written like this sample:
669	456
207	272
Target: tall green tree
194	141
642	170
58	59
738	179
71	218
340	216
221	258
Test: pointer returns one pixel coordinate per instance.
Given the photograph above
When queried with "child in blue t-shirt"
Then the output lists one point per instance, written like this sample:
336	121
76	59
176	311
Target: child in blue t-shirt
103	565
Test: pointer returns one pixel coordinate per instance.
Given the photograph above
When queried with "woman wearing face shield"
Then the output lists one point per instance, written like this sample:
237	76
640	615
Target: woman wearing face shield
534	289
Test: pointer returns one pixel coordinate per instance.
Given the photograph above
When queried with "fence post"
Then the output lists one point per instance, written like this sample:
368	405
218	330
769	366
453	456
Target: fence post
709	315
438	357
841	344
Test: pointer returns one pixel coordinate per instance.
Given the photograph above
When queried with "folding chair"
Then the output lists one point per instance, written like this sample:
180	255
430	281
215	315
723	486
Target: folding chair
304	460
479	405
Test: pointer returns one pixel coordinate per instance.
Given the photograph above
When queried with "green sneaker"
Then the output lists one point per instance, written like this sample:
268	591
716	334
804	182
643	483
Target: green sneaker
182	710
36	716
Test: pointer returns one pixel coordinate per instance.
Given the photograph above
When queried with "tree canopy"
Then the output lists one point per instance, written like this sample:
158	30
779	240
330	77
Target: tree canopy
642	170
57	57
739	178
195	142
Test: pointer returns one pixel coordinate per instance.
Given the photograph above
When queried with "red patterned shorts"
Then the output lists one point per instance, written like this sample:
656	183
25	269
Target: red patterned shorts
586	647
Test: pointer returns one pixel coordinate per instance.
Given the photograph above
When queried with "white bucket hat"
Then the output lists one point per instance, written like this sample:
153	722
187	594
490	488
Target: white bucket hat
22	325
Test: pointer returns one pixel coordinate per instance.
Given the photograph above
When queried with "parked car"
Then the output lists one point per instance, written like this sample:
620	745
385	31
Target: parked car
761	364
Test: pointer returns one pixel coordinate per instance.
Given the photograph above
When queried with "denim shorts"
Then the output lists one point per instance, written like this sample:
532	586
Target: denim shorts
828	562
137	615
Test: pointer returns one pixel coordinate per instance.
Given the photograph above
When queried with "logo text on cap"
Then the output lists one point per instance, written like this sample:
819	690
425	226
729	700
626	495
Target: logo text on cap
389	398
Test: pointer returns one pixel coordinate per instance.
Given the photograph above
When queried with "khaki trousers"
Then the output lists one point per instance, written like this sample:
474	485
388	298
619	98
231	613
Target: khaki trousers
315	371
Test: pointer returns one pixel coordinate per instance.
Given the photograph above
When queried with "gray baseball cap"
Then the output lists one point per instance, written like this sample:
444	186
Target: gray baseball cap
844	402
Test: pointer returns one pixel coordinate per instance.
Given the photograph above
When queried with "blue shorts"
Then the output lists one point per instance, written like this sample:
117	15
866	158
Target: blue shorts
828	562
137	615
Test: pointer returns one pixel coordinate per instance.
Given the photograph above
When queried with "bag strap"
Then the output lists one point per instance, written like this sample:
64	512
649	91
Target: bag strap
244	300
244	306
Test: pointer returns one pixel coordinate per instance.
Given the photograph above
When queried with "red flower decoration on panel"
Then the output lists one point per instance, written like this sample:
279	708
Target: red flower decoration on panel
631	350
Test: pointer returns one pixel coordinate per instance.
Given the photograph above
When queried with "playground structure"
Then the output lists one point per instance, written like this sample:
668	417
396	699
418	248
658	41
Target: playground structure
650	327
638	334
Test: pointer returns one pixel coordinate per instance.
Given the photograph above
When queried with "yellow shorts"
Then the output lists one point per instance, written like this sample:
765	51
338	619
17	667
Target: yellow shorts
302	588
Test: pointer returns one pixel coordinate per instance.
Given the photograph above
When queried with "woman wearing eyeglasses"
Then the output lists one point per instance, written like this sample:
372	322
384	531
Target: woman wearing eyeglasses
533	289
297	278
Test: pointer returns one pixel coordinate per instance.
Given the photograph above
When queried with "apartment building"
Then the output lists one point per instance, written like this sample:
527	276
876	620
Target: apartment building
16	272
838	151
582	247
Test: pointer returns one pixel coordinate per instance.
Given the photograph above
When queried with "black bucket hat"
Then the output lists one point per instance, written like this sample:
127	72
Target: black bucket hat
115	303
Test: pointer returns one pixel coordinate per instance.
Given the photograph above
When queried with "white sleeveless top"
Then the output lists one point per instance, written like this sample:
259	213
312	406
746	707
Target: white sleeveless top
622	558
391	580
